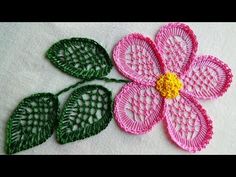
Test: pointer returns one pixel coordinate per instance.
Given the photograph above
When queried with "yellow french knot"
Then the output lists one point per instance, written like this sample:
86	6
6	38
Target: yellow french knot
169	85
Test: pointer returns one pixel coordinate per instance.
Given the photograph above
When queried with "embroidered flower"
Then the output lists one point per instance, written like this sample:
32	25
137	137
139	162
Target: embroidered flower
167	78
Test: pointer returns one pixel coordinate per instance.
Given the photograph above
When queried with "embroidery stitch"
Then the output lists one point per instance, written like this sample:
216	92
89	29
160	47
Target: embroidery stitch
80	57
142	103
32	122
169	85
86	113
166	79
88	110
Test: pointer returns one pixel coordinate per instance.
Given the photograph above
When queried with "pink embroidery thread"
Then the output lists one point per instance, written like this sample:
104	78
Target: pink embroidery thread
139	106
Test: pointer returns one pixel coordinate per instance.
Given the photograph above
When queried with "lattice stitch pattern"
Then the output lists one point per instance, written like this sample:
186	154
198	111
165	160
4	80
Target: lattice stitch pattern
32	122
80	57
88	110
168	78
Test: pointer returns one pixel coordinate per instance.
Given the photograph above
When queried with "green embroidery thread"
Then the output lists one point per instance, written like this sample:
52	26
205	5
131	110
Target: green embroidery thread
32	122
83	81
87	111
80	57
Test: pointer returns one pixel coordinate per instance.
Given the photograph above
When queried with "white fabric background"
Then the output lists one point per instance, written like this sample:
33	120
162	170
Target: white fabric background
24	71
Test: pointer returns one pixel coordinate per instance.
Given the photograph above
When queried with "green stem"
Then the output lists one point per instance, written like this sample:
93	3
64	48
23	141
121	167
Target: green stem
70	87
83	81
113	80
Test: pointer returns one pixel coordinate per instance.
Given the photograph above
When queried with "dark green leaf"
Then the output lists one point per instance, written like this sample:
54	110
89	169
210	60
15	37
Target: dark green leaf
86	113
80	57
32	122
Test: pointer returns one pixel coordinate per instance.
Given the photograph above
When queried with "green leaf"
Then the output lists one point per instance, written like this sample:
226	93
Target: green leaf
32	122
80	57
87	112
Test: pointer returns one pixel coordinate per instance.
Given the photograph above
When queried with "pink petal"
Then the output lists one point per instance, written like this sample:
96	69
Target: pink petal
136	58
188	123
177	45
137	108
208	78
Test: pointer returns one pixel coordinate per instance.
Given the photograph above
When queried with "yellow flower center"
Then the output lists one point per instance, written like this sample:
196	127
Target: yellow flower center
169	85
